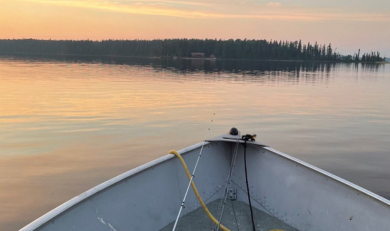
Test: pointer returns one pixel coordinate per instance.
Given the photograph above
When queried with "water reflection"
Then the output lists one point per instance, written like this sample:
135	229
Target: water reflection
69	123
253	67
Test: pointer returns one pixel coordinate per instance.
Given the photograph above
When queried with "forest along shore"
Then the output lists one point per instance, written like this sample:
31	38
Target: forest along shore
187	49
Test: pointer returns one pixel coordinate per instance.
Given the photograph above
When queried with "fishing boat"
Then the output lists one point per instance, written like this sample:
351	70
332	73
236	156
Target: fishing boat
232	182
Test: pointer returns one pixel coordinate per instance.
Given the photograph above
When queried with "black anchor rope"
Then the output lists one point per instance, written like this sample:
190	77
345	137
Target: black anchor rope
247	138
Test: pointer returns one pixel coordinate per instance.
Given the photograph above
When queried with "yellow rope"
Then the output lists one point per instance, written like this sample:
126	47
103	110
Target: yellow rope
196	191
197	194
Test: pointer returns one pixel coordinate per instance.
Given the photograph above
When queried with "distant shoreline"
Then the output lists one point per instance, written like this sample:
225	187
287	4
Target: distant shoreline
228	49
19	54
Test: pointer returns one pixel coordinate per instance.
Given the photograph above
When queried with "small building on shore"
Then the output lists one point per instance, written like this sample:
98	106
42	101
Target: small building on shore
197	55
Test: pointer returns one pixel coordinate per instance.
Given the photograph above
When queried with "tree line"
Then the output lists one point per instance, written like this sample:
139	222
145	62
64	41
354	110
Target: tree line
225	49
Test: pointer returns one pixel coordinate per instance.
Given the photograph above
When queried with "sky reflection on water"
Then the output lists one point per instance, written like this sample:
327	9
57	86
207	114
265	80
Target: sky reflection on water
70	123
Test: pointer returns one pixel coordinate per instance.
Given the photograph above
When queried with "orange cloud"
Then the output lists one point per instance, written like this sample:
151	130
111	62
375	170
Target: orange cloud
272	10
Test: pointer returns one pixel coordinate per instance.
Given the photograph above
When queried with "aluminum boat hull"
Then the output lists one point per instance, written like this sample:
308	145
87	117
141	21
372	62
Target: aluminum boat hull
149	196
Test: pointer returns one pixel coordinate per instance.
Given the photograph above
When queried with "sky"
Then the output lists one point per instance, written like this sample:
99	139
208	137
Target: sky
348	25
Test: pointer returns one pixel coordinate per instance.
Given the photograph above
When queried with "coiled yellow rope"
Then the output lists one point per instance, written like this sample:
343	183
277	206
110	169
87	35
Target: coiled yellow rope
197	194
196	191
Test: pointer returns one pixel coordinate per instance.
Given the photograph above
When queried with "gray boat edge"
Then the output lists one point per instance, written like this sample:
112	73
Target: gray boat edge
85	195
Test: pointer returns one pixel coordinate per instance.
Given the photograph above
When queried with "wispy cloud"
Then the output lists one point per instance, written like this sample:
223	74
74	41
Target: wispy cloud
170	2
272	10
274	4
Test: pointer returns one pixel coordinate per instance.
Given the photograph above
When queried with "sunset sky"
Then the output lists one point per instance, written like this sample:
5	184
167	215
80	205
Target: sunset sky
348	25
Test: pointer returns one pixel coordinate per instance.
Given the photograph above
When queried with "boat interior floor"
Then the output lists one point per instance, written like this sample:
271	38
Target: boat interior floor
236	217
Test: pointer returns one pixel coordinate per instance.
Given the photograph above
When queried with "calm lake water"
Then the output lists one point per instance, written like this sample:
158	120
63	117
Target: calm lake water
68	124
